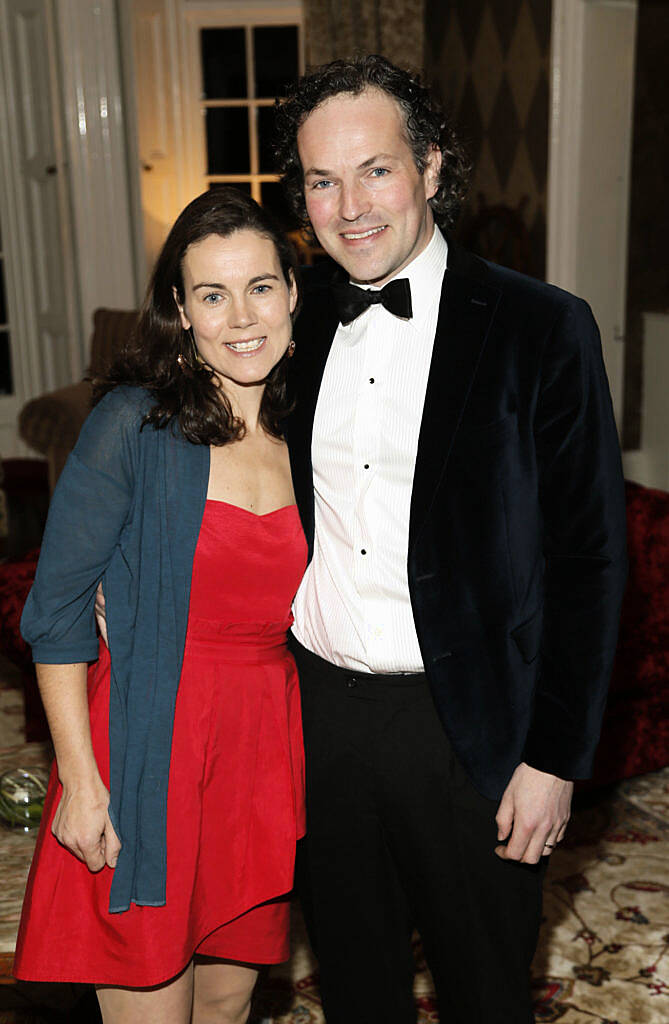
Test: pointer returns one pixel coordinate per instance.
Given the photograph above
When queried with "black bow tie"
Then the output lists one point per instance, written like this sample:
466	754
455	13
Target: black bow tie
352	301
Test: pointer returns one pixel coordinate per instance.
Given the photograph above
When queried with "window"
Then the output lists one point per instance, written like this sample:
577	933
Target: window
242	60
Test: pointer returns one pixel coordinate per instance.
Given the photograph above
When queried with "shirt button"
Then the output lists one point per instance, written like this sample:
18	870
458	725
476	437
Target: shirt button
352	682
363	551
371	380
366	466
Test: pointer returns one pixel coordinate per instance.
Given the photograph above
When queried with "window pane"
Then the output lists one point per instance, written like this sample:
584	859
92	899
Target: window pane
273	199
266	158
3	306
223	63
6	383
228	140
276	64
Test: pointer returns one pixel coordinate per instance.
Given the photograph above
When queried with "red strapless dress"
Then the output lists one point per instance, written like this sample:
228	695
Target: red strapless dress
236	786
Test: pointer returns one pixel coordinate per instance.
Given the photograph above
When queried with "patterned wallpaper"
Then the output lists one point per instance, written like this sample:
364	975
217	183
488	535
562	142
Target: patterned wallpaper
489	62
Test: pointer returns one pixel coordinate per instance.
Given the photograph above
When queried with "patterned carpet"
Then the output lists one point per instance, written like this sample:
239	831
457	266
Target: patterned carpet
603	953
603	956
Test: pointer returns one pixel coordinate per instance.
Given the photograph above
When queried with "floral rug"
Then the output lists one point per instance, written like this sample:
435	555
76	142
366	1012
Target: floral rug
603	955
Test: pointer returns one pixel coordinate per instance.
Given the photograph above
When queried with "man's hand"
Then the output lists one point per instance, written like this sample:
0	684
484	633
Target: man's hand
532	814
101	613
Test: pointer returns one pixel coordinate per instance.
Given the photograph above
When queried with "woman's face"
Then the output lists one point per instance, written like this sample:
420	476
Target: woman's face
238	304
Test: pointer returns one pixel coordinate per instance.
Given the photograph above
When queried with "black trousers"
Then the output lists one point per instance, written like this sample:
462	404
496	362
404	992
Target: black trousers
397	838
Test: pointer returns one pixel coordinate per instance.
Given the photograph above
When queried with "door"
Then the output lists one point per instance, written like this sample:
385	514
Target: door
44	344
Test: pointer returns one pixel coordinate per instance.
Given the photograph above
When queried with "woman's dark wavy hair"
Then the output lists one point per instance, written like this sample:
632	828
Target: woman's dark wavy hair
189	396
425	122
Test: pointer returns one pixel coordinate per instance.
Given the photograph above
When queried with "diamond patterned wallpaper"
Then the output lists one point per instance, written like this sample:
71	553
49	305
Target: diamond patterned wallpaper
489	62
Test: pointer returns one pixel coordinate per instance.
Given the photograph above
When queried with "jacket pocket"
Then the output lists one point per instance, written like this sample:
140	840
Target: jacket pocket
528	636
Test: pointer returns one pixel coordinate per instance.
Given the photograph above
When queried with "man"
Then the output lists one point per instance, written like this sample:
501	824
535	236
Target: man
457	471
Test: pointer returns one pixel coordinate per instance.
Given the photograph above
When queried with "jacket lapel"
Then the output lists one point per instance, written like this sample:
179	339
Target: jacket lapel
466	312
314	332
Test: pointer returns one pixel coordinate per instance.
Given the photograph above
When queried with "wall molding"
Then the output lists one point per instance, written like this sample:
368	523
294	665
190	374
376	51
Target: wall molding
592	84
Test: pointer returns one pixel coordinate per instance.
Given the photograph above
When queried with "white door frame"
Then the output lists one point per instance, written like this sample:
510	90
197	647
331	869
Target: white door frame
592	86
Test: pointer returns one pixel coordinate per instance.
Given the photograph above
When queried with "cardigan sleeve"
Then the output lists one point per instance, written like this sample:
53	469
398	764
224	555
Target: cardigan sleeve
91	503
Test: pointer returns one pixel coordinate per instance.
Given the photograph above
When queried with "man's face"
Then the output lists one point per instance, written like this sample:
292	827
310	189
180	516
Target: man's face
366	201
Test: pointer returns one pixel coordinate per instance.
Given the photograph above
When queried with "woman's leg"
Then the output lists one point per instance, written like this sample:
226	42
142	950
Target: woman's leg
171	1002
222	991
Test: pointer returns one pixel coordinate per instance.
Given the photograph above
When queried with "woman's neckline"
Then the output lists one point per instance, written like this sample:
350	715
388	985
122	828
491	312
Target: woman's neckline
256	515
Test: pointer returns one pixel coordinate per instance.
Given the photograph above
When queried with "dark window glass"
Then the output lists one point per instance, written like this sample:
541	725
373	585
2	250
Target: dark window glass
243	186
6	383
265	140
223	63
273	199
3	305
276	63
228	140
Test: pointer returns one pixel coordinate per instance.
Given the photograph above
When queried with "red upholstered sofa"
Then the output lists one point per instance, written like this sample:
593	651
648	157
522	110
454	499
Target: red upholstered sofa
635	734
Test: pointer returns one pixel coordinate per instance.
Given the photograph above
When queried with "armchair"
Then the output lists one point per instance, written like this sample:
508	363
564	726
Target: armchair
51	423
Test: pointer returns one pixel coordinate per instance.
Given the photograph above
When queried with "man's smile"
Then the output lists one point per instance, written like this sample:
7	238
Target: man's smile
355	236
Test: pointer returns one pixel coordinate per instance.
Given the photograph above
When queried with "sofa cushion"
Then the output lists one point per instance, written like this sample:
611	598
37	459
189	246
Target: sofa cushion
55	418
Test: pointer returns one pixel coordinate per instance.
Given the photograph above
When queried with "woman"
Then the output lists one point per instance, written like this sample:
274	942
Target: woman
168	839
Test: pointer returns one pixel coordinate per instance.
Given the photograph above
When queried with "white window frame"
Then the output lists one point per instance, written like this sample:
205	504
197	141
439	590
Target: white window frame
233	14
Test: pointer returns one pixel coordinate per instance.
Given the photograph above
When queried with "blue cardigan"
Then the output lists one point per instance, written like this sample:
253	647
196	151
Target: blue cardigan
127	510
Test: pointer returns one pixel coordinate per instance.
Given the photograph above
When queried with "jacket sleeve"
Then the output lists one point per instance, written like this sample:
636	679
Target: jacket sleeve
582	500
90	505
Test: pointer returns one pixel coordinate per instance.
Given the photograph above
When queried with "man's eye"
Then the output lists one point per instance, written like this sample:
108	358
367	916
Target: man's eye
260	289
212	298
320	185
380	172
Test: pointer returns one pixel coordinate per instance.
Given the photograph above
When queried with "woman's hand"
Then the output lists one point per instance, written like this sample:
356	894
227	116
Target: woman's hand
83	826
81	822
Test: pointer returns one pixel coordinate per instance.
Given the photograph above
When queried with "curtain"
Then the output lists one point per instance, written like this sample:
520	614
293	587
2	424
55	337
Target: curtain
346	28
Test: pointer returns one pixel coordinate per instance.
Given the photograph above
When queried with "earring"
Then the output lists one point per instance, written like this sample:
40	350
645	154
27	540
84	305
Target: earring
199	361
181	362
291	349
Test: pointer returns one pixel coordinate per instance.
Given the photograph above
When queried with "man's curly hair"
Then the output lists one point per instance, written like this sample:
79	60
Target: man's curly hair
425	122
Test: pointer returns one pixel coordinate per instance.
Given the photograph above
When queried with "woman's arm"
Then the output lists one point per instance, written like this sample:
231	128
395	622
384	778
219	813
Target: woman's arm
81	822
90	506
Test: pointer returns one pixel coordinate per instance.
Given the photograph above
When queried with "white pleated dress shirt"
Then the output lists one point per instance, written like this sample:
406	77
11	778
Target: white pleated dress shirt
353	606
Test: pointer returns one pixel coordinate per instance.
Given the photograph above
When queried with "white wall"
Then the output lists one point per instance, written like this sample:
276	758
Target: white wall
593	47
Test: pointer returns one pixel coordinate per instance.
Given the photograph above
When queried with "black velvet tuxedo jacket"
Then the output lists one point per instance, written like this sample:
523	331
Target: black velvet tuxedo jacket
516	554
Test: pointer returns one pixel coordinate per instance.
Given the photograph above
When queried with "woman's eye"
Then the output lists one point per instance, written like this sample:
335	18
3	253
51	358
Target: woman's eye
212	298
260	289
321	185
